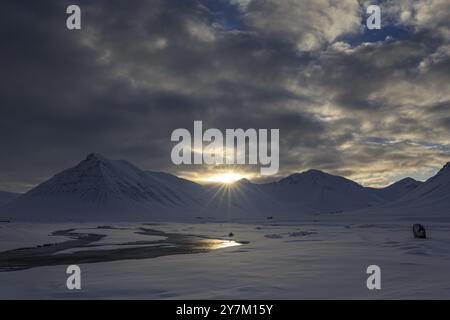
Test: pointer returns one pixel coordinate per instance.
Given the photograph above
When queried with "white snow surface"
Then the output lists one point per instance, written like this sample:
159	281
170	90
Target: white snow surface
306	259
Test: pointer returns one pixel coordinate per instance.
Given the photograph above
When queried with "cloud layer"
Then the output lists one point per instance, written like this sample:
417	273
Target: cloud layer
344	101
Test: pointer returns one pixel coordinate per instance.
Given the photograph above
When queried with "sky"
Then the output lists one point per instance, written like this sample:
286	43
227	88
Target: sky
370	105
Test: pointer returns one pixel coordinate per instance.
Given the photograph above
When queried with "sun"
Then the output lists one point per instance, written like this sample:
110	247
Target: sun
225	178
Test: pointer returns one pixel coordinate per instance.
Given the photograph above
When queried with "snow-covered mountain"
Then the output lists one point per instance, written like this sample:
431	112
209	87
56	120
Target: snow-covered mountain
314	191
435	190
242	199
429	201
308	192
397	190
6	197
101	188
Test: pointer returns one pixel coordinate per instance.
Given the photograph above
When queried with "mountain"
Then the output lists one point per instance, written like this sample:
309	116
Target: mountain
396	190
433	191
6	197
315	191
241	199
309	192
100	188
428	201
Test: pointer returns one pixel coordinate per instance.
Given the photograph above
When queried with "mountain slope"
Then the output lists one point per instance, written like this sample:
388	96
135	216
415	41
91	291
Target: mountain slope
98	187
396	190
315	191
6	197
241	199
309	192
430	201
434	190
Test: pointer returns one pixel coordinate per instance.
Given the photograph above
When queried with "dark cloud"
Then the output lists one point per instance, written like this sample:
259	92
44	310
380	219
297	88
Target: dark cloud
135	72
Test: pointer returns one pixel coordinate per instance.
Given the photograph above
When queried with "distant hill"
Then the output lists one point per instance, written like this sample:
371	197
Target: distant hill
397	190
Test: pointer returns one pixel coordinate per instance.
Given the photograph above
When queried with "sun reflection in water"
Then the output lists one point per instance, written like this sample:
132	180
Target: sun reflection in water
214	244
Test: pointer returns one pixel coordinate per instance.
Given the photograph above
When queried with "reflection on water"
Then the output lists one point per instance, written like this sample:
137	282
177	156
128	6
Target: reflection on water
87	248
213	244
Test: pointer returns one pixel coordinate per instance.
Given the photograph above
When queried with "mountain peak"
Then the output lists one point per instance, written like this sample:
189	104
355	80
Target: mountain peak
103	186
407	180
315	172
309	174
95	156
445	169
244	181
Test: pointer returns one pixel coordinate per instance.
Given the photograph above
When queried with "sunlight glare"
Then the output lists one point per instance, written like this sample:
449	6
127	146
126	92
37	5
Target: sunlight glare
214	244
225	178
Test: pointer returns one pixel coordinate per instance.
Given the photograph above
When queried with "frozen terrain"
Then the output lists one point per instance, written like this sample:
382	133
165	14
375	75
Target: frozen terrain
290	260
309	235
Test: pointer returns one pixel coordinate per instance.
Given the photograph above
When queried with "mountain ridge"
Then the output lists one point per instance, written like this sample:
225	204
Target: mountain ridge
397	190
100	188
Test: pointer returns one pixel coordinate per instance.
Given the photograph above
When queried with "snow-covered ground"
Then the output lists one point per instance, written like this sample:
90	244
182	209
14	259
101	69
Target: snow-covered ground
283	260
